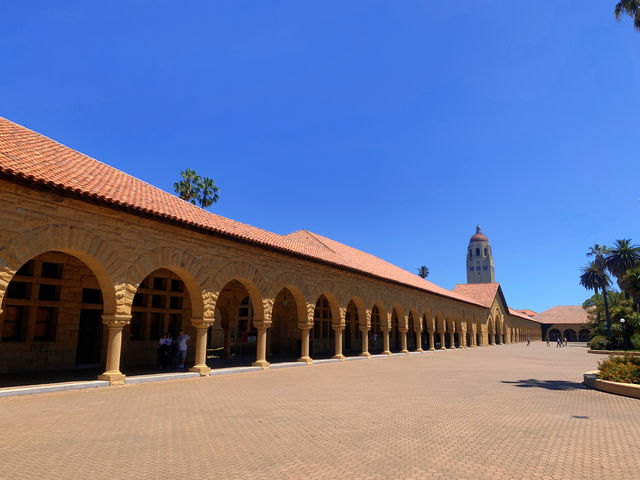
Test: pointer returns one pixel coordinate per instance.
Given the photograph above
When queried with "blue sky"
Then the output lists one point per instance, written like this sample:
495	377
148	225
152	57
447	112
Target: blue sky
394	127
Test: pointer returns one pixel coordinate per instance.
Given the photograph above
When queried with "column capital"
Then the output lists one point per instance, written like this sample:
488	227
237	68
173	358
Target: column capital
116	320
199	322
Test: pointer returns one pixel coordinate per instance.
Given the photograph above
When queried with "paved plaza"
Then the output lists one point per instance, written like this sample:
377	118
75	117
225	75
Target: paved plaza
507	411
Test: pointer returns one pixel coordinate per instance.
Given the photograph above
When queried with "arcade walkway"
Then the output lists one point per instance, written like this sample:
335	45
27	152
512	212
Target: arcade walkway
497	412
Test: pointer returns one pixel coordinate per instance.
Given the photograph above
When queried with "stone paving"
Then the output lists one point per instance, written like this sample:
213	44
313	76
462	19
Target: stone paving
501	412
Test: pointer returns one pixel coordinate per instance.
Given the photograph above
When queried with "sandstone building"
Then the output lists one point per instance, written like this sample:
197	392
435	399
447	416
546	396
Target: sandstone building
95	265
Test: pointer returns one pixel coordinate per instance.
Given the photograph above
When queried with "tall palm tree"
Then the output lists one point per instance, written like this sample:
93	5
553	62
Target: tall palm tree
208	192
631	8
622	257
631	281
423	272
594	279
187	188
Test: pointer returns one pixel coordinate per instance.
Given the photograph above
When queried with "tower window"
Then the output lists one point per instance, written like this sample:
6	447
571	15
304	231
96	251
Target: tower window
470	252
485	251
471	269
485	268
477	252
478	268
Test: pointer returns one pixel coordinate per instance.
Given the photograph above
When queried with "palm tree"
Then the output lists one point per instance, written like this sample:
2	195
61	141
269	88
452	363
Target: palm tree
631	8
621	257
187	188
596	249
594	279
631	282
423	272
208	192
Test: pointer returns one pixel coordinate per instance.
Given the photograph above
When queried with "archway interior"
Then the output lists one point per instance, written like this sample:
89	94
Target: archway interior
439	328
570	335
376	331
352	335
394	339
321	335
52	317
583	335
234	334
554	334
411	334
284	335
426	338
161	308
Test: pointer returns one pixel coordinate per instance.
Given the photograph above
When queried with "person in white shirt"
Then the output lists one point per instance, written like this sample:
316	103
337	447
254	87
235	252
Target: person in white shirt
182	348
162	352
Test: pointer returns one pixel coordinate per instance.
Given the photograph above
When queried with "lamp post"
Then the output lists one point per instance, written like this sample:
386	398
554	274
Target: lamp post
601	263
624	334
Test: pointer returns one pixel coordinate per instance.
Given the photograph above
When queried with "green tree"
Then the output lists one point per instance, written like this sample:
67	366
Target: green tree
631	8
621	257
631	282
423	272
596	249
188	188
208	192
594	279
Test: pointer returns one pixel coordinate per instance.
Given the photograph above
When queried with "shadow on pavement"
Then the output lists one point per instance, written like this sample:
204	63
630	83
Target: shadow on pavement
547	384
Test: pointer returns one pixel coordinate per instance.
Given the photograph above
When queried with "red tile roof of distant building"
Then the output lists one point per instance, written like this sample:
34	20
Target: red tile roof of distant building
39	160
574	314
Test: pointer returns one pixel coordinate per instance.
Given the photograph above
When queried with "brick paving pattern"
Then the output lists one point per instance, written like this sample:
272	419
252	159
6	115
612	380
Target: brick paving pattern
498	412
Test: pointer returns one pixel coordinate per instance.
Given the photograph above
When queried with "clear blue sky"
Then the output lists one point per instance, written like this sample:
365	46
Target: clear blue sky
394	127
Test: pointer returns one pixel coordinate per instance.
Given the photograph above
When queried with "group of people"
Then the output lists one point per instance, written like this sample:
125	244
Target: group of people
560	342
172	352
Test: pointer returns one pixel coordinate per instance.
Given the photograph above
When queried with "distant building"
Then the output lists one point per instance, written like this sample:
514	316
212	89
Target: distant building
564	321
479	259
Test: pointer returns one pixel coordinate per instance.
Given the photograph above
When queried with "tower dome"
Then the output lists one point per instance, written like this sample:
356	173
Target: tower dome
480	259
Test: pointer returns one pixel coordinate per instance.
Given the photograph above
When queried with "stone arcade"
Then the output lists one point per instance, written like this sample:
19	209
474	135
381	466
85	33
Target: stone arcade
95	265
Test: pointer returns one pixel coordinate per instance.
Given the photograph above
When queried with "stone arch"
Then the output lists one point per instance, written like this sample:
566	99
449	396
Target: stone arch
570	334
385	318
402	321
417	319
364	318
180	262
295	284
249	276
79	242
336	315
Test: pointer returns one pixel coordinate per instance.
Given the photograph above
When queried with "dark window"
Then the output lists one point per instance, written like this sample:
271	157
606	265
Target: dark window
470	252
51	270
14	323
45	324
144	283
19	290
485	268
175	303
477	252
175	323
158	301
26	270
159	283
176	286
471	269
157	324
137	325
485	251
91	295
50	293
139	300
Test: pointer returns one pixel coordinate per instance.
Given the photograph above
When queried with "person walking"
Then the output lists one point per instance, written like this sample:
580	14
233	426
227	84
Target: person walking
528	341
548	343
374	341
182	340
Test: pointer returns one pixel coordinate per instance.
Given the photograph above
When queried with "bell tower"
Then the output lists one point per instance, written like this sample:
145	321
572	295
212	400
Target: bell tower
479	259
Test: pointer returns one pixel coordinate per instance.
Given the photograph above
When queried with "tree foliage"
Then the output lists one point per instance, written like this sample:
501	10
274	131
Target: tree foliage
621	257
423	272
630	8
196	189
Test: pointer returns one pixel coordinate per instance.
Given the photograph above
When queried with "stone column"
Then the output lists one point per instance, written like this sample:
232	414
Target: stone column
201	326
432	343
442	347
419	342
304	349
403	341
463	338
385	342
337	330
261	347
115	323
451	340
364	340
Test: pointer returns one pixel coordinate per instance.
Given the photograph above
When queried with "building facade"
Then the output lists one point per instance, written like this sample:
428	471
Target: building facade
96	265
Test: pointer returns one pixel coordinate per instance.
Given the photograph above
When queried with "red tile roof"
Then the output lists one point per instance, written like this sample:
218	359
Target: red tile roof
574	314
32	157
483	293
526	311
518	313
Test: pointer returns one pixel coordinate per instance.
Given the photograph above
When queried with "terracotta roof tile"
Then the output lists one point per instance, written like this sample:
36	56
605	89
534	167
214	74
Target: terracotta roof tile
563	314
483	293
33	157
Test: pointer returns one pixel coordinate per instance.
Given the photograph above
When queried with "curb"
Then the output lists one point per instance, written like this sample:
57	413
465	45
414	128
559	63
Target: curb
625	389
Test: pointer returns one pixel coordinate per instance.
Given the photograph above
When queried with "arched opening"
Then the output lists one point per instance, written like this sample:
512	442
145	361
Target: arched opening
161	309
394	334
570	335
411	334
448	333
426	337
352	333
554	334
284	336
51	320
583	335
439	332
376	331
321	335
234	335
479	336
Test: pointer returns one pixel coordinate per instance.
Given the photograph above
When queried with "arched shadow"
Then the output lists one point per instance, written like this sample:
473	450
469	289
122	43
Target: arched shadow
547	384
